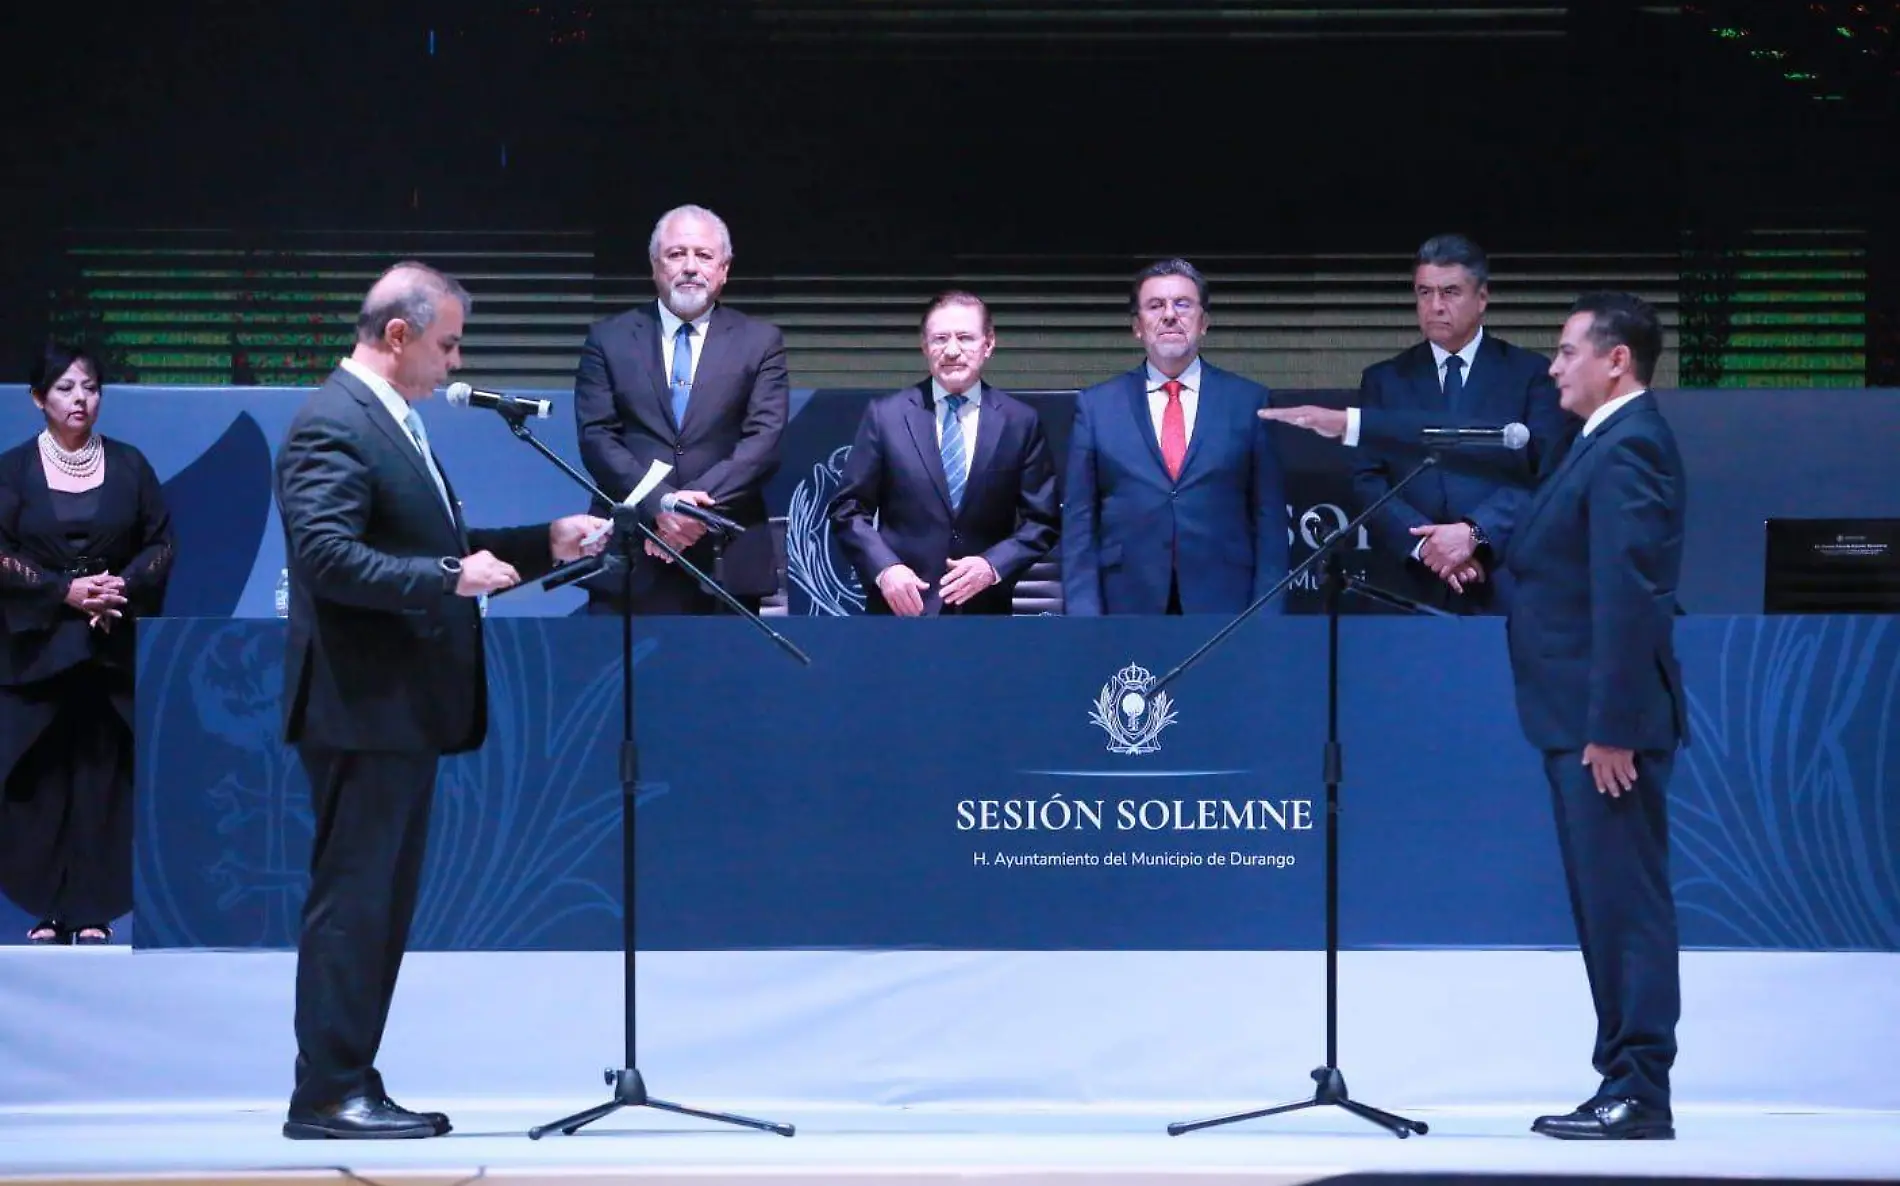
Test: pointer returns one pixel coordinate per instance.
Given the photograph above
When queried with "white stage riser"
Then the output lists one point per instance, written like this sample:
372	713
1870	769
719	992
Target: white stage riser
1801	1031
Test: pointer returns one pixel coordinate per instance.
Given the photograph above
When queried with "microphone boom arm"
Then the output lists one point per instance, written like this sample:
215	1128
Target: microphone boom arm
1326	546
625	516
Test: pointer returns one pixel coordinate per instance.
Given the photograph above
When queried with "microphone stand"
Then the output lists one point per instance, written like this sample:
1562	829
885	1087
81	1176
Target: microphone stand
1335	569
629	1089
1353	583
627	524
1398	601
719	554
1330	1083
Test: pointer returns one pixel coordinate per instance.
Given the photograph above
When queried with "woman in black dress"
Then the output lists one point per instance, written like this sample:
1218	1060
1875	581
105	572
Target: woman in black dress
85	549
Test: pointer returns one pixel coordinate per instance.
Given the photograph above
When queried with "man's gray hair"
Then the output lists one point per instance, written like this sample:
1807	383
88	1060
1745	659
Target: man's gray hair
653	241
412	301
1454	251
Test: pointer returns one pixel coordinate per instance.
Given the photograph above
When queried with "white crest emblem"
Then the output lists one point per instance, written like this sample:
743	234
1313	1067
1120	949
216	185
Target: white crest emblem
809	563
1125	712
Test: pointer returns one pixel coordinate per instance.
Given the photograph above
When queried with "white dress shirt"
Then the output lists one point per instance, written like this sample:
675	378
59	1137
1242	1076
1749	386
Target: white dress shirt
669	328
400	410
1608	410
388	396
1439	355
966	420
1190	381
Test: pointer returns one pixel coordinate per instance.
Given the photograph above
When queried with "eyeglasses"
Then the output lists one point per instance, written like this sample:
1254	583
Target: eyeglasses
938	343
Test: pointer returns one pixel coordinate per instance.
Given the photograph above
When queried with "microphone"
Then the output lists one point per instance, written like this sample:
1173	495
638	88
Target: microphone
561	575
461	395
712	519
1510	436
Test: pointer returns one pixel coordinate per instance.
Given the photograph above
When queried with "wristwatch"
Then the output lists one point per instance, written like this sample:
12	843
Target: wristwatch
451	573
1480	542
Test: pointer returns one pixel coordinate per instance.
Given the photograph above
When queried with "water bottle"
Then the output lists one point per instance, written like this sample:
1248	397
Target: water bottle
283	594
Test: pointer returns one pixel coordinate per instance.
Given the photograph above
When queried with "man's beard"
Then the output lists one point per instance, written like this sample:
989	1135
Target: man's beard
689	303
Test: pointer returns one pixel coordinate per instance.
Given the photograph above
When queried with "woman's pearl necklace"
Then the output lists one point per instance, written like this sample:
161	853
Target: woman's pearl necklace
83	462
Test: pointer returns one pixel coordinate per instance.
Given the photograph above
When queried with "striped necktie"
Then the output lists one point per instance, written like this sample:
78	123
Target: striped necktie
955	465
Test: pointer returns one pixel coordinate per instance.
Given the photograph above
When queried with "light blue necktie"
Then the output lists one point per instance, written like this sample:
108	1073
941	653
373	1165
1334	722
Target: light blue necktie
420	435
952	448
682	370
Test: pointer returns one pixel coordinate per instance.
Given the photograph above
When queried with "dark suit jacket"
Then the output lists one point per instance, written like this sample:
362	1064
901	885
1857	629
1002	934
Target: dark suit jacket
382	654
41	637
728	447
1597	557
894	505
1401	396
130	534
1126	526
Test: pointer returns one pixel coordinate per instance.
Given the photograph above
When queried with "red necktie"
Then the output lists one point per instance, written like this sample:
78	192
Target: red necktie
1173	430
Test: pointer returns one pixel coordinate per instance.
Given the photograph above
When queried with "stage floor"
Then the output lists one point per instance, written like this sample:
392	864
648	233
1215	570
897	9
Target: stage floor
1005	1067
867	1146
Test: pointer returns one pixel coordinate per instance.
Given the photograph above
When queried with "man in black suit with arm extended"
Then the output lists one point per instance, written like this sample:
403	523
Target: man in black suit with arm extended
949	494
383	674
1453	523
1597	557
703	388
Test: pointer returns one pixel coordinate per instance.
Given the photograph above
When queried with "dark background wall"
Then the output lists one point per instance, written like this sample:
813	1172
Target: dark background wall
853	138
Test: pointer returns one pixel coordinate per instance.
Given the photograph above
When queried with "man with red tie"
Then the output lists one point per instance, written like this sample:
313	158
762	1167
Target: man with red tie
1174	501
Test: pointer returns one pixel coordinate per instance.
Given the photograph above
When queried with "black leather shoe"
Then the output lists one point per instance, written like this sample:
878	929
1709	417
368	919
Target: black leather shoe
358	1119
1609	1119
438	1120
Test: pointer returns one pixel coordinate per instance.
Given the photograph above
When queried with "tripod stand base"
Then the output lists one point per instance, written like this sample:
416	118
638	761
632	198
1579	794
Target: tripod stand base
630	1091
1331	1091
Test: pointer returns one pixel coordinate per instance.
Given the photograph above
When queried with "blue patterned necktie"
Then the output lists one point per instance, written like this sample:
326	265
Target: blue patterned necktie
1454	382
682	381
952	448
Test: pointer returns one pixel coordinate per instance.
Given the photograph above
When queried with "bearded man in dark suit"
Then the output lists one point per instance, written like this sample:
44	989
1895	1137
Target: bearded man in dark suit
703	388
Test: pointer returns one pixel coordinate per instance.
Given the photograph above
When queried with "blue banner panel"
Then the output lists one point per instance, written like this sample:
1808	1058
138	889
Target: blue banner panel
213	448
1015	784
